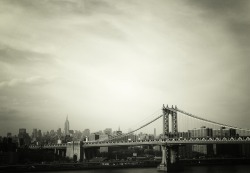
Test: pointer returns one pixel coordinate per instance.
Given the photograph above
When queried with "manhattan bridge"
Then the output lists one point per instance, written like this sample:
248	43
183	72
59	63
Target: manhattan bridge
169	142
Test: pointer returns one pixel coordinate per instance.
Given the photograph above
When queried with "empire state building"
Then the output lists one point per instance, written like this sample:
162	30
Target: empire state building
66	126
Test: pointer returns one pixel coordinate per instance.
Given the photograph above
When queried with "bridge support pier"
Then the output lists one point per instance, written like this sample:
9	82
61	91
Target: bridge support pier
169	158
83	155
163	165
173	153
63	153
75	151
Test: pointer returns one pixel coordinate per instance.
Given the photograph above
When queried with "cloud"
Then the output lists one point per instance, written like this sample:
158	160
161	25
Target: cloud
233	15
222	6
57	8
9	114
34	80
14	55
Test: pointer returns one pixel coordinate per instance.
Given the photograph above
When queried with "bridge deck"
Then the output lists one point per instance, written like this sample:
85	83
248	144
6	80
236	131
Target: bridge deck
152	142
166	142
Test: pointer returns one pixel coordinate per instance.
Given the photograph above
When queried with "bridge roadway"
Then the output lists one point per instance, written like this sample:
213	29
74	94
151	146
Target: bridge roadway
201	141
52	146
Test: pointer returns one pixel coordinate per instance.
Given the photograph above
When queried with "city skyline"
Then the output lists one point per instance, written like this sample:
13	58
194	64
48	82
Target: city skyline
109	64
113	132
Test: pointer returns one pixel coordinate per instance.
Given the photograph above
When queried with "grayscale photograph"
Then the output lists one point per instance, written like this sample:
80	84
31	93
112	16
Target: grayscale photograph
125	86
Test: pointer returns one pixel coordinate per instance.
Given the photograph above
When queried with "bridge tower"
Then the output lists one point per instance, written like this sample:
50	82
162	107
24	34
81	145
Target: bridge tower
165	121
169	153
166	112
174	121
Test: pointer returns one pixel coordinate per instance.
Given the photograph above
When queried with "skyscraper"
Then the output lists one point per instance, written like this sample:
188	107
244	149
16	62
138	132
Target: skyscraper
59	132
86	132
22	131
66	126
118	132
34	133
108	131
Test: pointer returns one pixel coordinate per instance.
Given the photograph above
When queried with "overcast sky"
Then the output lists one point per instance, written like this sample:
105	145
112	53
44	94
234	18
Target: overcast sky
109	63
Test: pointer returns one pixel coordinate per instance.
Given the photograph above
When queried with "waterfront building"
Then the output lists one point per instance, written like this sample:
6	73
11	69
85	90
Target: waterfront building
243	133
223	132
93	137
142	136
103	137
183	135
202	132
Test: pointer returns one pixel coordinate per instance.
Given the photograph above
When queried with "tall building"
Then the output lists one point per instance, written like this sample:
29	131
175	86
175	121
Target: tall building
59	132
39	134
202	132
34	133
52	132
22	131
118	132
23	137
223	132
66	126
108	131
86	133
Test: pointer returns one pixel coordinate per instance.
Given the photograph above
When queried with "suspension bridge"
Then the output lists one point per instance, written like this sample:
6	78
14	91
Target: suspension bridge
181	129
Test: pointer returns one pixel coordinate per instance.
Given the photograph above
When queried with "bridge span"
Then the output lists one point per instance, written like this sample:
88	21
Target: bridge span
168	142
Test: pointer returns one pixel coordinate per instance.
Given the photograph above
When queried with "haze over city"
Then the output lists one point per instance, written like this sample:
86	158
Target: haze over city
108	63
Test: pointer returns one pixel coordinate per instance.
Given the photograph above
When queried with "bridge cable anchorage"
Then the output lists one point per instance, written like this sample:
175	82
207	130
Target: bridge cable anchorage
120	136
209	121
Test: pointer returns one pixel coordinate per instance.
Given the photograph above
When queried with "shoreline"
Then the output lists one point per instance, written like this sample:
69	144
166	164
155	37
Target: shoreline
113	165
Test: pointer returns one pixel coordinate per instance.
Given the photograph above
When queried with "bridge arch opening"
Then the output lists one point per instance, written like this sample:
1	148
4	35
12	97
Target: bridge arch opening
170	123
75	158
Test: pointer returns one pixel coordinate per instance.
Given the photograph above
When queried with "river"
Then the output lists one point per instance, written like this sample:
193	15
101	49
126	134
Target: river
188	169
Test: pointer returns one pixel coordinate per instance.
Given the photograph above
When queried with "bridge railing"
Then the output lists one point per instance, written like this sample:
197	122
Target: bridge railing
48	146
170	140
175	139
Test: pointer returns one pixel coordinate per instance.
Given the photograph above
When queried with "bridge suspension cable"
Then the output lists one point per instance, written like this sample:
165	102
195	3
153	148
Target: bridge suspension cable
200	120
209	121
146	119
126	134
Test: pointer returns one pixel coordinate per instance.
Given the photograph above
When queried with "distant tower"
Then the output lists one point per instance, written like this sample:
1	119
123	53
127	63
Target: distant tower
119	132
66	126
